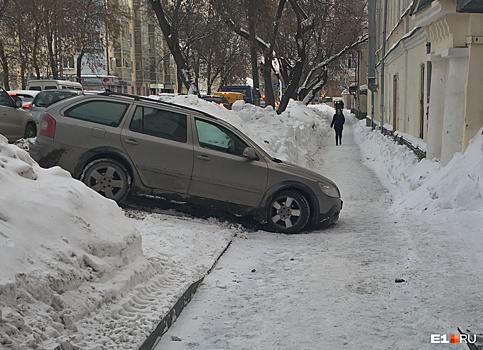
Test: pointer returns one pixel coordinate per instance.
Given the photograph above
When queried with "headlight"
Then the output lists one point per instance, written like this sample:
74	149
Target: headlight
329	189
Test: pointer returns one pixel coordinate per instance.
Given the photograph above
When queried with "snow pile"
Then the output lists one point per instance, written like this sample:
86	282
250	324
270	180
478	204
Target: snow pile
57	240
292	136
426	184
458	185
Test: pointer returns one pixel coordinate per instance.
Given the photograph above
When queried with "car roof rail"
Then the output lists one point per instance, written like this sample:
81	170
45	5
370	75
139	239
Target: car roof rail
112	93
134	97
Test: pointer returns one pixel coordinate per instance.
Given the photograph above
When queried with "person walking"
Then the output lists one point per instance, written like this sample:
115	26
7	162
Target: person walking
338	124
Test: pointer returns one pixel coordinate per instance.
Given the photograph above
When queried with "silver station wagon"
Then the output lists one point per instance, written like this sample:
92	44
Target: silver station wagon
121	144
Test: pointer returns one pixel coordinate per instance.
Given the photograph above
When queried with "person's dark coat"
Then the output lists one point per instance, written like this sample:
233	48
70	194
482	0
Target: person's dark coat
338	122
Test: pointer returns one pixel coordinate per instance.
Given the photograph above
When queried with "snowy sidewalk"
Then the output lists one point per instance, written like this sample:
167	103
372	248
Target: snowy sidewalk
336	288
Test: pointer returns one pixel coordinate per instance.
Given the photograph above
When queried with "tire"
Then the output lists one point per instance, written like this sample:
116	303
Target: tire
30	131
107	177
288	212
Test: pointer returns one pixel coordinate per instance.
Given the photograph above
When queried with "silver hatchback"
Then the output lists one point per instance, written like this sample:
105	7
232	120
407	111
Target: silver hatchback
124	144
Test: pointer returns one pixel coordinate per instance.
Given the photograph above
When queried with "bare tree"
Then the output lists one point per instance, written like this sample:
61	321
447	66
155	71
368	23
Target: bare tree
171	34
299	40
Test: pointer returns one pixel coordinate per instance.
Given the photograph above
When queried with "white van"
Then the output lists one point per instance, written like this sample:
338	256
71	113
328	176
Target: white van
40	85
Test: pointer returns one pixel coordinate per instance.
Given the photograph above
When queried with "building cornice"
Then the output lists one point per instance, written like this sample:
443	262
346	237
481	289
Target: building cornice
410	40
437	10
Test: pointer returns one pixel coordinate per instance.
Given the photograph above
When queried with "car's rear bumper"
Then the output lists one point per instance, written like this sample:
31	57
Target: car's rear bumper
45	154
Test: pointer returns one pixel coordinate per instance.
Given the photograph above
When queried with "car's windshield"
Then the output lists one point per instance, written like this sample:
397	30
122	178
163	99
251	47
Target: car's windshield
47	98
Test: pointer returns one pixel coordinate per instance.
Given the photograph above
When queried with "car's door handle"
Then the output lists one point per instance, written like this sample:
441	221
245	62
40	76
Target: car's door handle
131	141
203	157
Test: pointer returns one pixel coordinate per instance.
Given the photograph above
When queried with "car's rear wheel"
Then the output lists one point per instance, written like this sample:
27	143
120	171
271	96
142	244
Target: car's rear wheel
108	177
288	212
30	131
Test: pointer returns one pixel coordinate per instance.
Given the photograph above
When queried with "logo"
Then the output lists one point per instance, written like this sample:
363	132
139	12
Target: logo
453	338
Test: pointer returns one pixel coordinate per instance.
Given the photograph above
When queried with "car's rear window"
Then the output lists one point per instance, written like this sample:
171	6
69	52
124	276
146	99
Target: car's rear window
160	123
101	112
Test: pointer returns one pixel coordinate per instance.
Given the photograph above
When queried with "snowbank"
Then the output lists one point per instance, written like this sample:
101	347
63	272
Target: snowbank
425	185
58	239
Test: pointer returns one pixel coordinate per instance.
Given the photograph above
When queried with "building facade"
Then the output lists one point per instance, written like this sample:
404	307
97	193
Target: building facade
429	71
138	62
141	59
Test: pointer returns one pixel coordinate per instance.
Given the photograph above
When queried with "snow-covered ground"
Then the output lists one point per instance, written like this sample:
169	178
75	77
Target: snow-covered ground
78	271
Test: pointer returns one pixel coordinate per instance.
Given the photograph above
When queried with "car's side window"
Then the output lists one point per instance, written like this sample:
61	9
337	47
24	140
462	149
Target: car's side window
102	112
5	99
160	123
218	138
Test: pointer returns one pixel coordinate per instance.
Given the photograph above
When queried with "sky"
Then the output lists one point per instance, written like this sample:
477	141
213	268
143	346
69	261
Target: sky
80	272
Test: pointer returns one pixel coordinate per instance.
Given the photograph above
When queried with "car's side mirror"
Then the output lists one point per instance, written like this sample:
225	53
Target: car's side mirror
250	154
18	101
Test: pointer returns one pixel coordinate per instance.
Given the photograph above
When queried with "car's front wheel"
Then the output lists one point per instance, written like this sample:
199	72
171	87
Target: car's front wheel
288	212
108	177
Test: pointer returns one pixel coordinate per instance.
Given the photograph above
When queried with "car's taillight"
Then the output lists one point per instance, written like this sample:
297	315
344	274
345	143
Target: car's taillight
26	106
47	126
221	104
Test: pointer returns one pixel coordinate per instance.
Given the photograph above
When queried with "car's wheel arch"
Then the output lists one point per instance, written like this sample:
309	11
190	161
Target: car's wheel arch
102	153
298	187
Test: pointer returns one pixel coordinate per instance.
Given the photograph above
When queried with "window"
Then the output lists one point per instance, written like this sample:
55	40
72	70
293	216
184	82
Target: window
218	138
102	112
160	123
5	99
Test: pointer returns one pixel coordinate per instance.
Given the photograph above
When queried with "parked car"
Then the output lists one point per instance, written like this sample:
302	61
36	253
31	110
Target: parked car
40	85
26	96
222	101
15	122
231	96
124	144
45	98
246	90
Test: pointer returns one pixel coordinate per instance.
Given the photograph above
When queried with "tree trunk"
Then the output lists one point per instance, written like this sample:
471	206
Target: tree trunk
180	81
253	52
50	48
3	59
267	77
78	68
208	77
172	41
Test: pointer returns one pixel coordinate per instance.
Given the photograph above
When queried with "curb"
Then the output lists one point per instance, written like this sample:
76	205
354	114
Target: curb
176	310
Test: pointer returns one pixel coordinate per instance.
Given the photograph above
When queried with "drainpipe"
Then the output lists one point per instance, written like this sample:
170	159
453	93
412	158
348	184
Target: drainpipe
382	63
371	59
428	77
